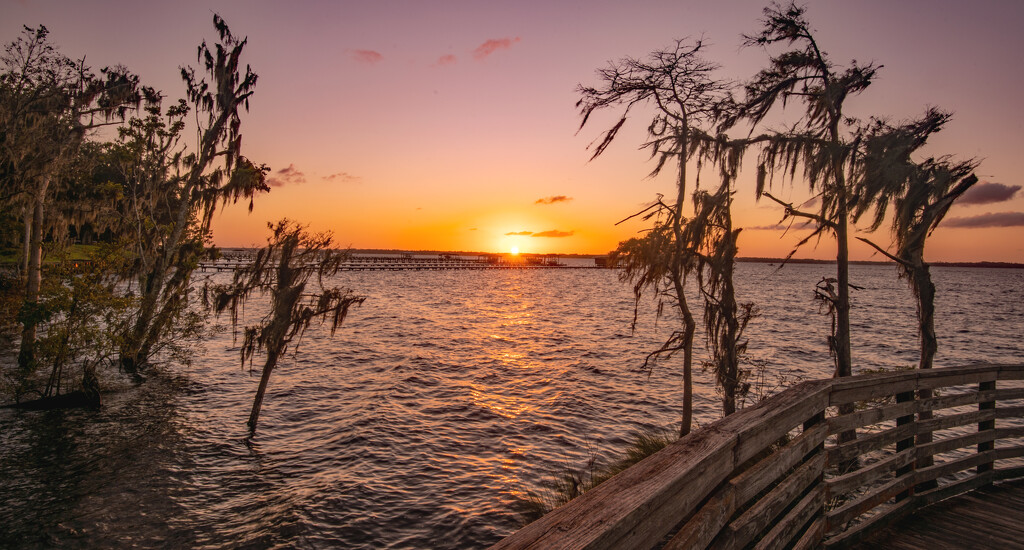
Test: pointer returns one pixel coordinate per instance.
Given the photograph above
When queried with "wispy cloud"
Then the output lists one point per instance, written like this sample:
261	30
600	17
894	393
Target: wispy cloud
368	57
554	233
447	59
987	193
989	219
553	200
342	177
519	234
487	48
286	176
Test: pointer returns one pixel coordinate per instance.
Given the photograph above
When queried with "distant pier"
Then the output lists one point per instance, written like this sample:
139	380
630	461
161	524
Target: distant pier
407	262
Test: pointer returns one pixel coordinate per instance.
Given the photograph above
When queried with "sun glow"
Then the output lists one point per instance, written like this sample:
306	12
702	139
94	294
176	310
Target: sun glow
514	250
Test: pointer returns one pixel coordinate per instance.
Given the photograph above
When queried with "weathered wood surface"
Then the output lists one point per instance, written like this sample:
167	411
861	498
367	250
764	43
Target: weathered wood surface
773	475
989	517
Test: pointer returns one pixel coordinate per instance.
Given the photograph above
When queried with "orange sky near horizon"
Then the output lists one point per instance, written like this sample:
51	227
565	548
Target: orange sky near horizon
451	126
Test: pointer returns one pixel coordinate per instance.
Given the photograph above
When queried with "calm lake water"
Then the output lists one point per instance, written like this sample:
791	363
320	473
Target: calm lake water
441	398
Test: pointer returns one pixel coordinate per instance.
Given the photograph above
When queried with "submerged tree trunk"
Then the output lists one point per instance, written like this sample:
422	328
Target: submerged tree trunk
133	355
26	245
286	296
148	327
257	402
34	278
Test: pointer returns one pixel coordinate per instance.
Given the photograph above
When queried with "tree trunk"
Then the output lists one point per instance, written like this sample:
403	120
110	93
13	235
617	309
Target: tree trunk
730	357
132	358
689	327
34	278
679	280
26	245
136	349
844	357
257	403
925	290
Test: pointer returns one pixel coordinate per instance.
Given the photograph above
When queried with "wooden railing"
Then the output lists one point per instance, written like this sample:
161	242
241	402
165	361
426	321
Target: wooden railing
775	475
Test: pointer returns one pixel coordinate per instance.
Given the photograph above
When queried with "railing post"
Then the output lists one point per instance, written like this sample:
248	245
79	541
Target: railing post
986	425
819	514
924	439
905	444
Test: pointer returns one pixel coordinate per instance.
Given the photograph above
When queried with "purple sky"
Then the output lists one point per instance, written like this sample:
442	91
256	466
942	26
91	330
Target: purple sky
444	124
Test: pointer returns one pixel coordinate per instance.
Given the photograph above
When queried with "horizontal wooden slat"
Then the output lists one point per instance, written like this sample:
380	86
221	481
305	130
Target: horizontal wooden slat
848	537
790	526
878	415
861	388
1009	372
1009	412
869	500
962	486
953	466
1004	453
767	471
865	444
1009	473
954	443
867	475
1006	394
955	420
1009	432
869	416
812	537
763	513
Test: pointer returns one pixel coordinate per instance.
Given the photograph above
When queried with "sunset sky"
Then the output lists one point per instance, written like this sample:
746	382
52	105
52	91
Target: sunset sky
451	125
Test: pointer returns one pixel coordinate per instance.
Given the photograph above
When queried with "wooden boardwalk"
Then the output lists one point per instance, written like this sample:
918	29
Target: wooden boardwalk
768	475
989	517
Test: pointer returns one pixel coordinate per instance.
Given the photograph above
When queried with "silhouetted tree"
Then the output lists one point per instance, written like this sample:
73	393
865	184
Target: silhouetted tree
688	103
820	143
283	268
172	194
918	195
711	231
679	85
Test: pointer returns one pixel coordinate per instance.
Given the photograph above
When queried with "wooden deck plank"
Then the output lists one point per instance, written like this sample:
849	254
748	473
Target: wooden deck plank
989	517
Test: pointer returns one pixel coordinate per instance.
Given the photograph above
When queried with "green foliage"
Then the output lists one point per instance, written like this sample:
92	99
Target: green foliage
79	309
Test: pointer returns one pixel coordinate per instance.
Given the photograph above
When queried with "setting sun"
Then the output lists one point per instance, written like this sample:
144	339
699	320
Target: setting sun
514	250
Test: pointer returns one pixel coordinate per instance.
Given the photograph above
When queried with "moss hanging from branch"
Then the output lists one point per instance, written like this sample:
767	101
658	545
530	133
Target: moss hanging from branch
284	269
